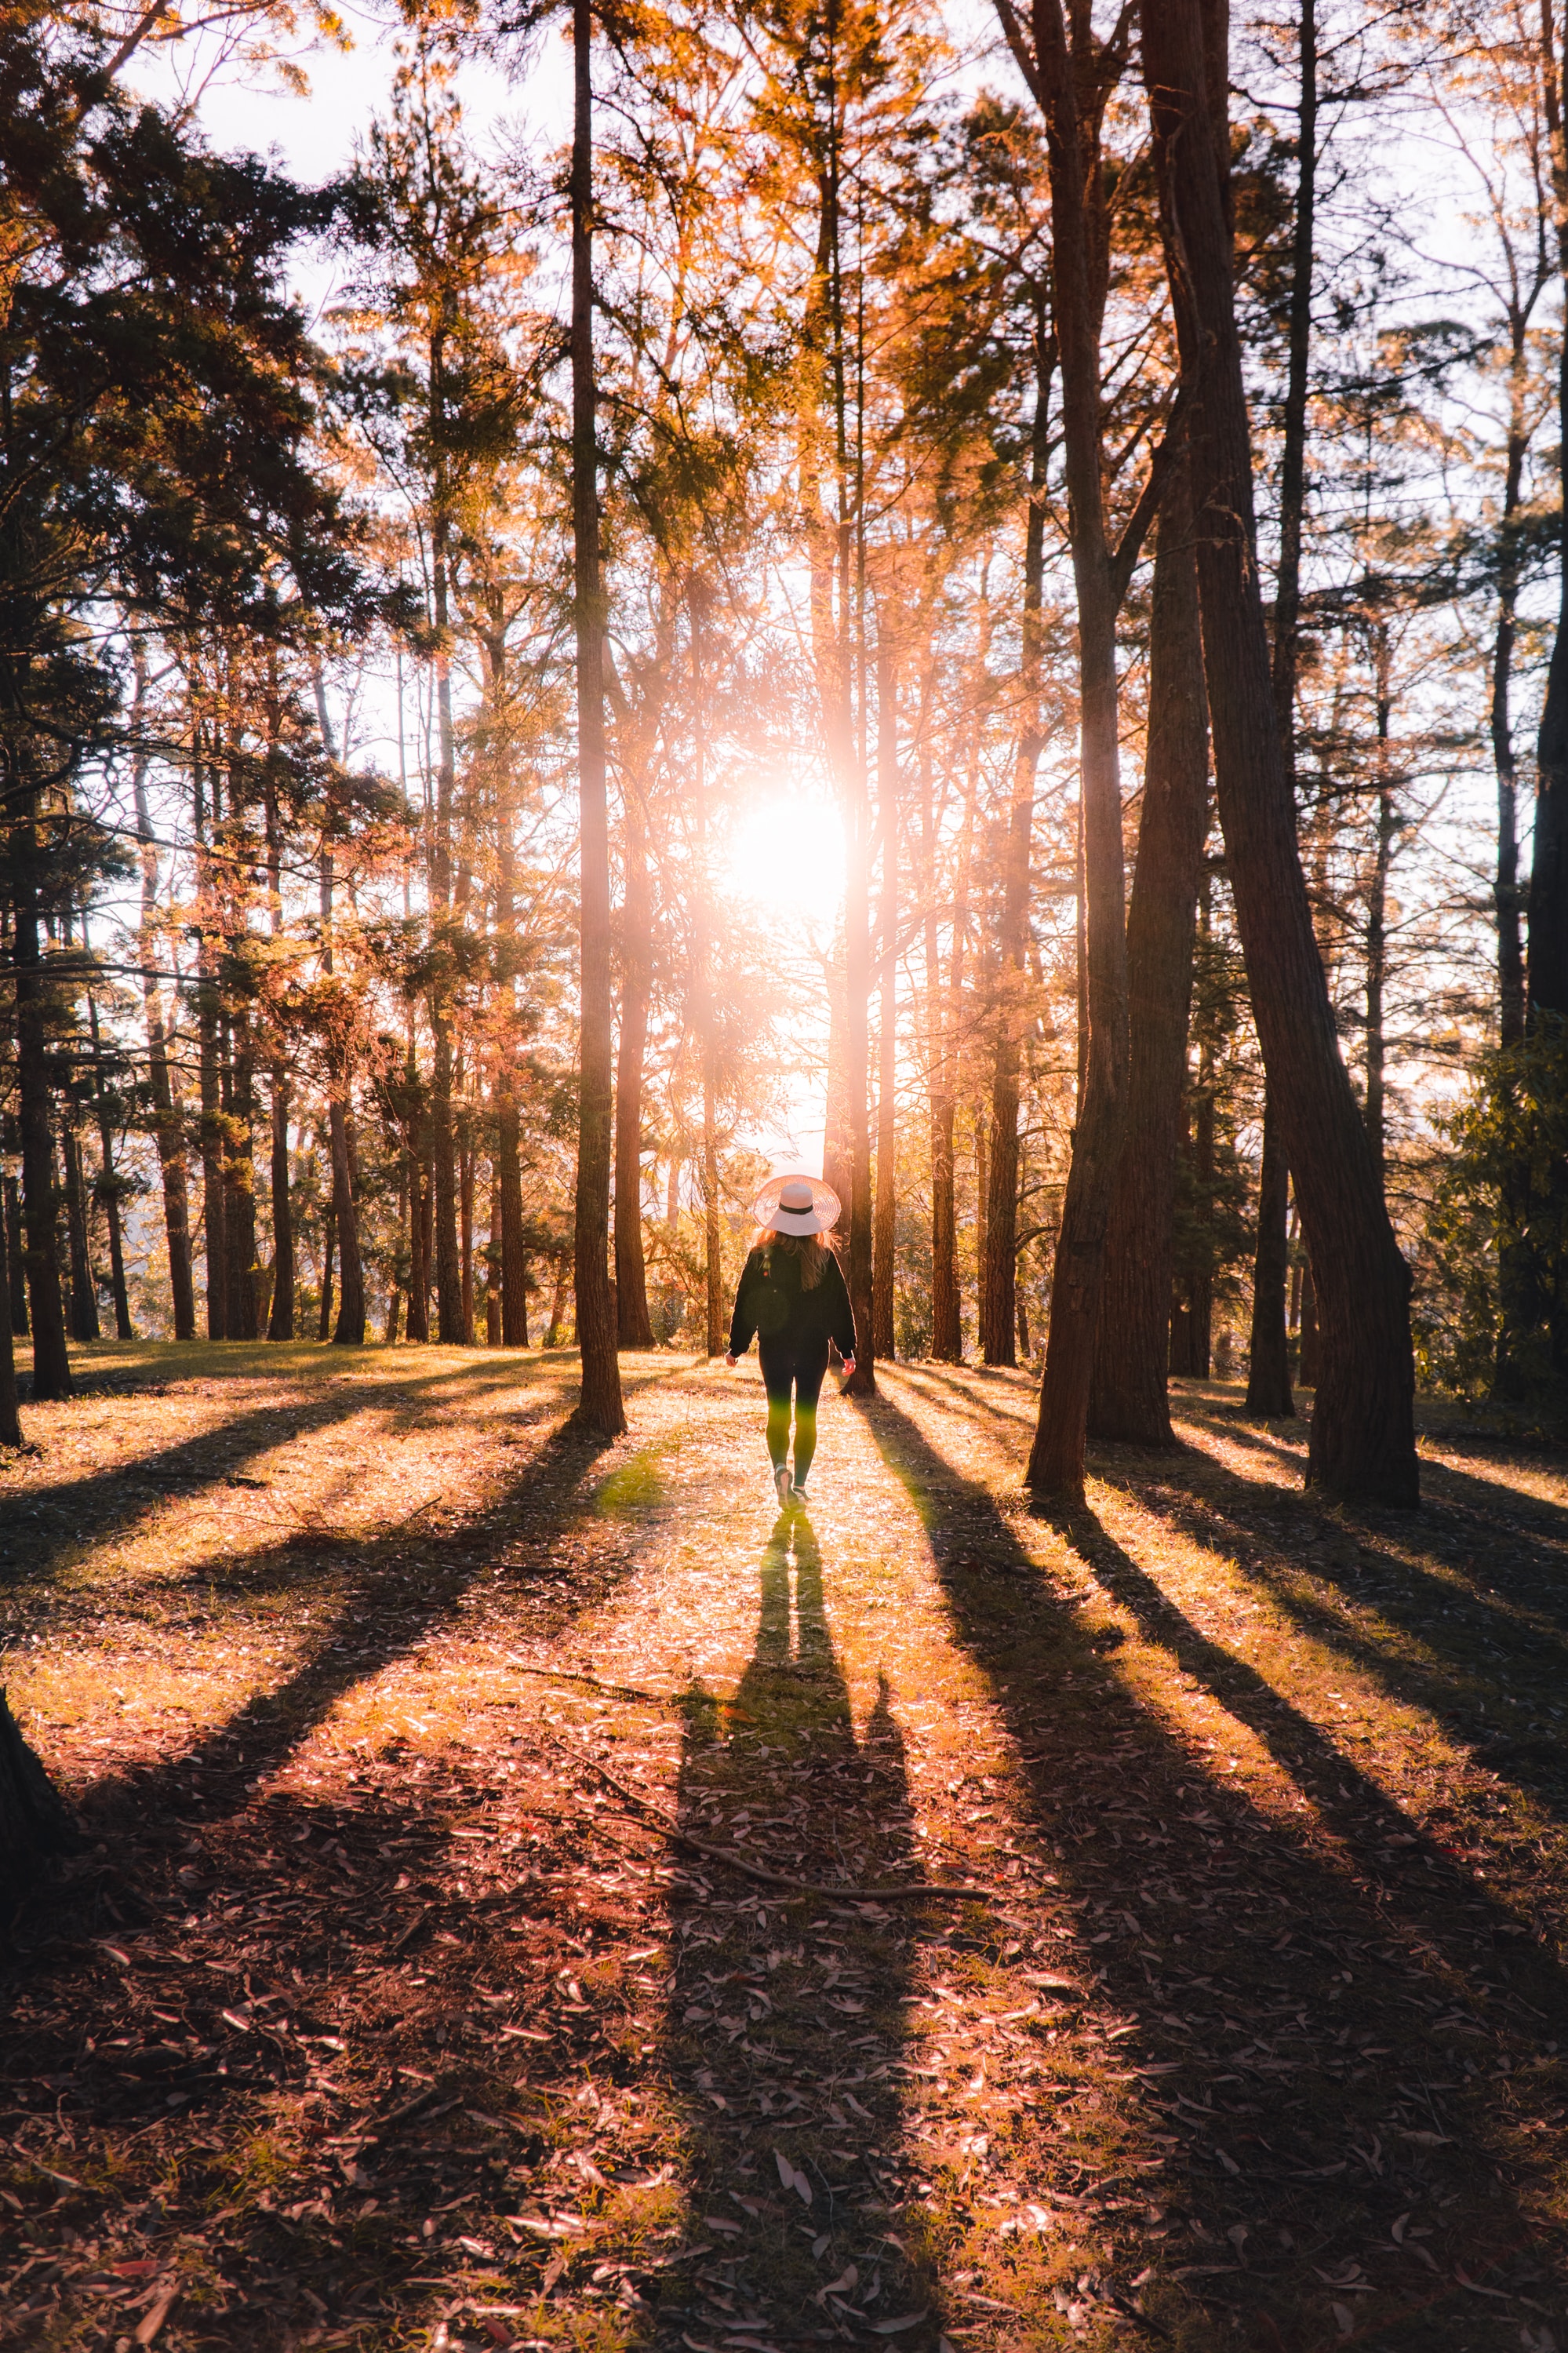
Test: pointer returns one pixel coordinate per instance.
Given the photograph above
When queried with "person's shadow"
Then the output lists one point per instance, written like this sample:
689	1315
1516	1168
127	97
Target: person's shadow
788	2011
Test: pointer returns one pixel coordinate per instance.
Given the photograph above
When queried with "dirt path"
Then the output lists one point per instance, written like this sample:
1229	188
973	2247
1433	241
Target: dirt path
388	2009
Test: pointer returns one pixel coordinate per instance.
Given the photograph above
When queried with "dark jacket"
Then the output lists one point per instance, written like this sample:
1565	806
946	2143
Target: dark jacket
771	1304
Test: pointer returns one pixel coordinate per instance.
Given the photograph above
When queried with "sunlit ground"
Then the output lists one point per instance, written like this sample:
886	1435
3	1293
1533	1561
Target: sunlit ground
449	1964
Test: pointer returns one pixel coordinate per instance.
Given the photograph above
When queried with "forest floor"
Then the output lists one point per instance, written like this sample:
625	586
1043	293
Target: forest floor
410	1990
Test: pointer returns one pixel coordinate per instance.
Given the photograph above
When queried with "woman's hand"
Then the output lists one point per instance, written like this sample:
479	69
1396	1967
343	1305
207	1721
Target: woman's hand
731	1362
848	1367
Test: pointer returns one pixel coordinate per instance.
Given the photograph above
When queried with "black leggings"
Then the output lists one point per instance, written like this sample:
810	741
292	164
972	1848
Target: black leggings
787	1366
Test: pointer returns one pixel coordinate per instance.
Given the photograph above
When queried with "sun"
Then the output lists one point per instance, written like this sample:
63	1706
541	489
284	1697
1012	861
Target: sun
785	853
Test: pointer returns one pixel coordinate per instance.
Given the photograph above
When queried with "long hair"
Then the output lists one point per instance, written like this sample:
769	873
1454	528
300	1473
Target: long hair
810	1249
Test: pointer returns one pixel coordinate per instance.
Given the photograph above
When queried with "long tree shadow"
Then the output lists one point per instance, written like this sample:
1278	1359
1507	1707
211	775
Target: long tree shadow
393	1591
255	1977
1462	1639
46	1517
1293	2144
787	2012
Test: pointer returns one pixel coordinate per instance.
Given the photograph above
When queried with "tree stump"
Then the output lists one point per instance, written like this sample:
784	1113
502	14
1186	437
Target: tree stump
35	1820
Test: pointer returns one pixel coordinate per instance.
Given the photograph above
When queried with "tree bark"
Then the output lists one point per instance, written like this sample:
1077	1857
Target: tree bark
1132	1349
999	1275
211	1082
466	1162
35	1823
1268	1367
51	1359
10	1424
492	1265
1377	980
634	1326
1547	968
84	1324
328	1245
17	1276
349	1330
109	1182
1079	251
947	1323
1307	1371
281	1319
239	1185
1268	1393
1362	1443
884	1237
712	1249
168	1128
600	1408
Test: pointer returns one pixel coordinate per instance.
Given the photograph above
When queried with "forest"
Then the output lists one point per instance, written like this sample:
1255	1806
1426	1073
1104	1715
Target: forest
601	605
433	590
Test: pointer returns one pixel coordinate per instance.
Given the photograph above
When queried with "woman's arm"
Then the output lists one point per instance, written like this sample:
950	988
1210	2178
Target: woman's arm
743	1323
841	1328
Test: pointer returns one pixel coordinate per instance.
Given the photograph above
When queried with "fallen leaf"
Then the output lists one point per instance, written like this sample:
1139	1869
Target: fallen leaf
153	2319
895	2327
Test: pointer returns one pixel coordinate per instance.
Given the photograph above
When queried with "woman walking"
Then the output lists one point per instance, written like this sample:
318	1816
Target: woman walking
793	1296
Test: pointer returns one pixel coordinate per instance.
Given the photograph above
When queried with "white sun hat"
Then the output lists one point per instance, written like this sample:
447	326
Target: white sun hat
796	1203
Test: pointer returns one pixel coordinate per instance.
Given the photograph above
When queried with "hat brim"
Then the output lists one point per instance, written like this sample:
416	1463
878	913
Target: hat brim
774	1218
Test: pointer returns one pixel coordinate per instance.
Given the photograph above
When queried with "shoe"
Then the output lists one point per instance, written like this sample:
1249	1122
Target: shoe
797	1494
782	1486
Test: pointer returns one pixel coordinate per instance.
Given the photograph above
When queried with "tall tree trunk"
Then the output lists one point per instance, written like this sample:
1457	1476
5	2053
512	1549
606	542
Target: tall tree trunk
1071	75
448	1264
280	1314
884	1238
10	1424
947	1326
634	1328
349	1330
1200	1290
1362	1443
281	1319
508	1167
557	1302
1269	1364
1309	1360
239	1185
1133	1348
400	1261
17	1277
108	1183
1268	1367
51	1359
712	1257
982	1126
329	1244
600	1408
1384	834
168	1128
999	1275
514	1253
83	1285
444	1157
418	1323
493	1265
211	1083
1547	972
1505	890
466	1231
